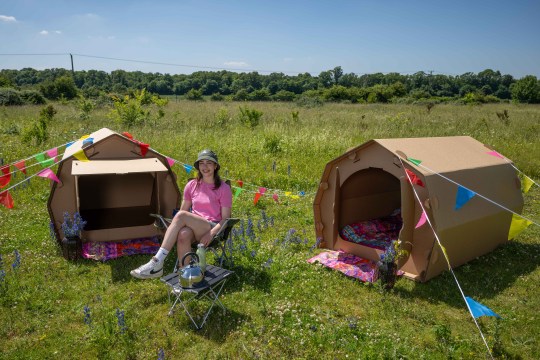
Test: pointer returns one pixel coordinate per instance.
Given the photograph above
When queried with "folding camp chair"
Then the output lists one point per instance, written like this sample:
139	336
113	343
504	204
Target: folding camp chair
218	245
210	288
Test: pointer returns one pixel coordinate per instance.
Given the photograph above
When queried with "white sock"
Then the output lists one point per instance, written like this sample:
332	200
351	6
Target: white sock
161	254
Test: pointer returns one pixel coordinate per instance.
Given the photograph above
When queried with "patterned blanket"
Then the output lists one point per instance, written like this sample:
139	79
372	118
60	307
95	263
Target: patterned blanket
375	233
349	264
108	250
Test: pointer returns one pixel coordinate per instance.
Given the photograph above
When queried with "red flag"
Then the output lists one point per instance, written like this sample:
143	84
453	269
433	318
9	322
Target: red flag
414	179
4	179
240	183
256	199
144	147
128	135
275	197
6	199
21	166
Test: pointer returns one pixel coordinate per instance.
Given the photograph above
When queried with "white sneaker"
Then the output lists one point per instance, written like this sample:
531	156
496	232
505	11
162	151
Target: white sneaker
150	270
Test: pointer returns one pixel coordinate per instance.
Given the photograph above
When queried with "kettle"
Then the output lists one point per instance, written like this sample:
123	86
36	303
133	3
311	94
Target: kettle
192	273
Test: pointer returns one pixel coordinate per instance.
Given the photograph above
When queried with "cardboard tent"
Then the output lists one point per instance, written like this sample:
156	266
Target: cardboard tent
115	191
369	182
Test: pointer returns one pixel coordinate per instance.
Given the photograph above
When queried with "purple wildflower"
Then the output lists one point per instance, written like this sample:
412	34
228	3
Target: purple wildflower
17	261
161	354
121	320
87	316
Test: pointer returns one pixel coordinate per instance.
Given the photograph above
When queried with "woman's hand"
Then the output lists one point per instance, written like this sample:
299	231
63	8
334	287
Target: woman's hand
206	239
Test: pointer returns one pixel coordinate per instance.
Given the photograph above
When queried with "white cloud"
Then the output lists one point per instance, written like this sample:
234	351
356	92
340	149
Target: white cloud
236	64
44	32
57	31
5	18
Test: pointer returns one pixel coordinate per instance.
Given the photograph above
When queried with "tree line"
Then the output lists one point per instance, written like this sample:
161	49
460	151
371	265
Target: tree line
330	85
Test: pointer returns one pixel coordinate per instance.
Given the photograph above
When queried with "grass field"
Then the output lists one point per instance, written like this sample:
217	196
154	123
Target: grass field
279	306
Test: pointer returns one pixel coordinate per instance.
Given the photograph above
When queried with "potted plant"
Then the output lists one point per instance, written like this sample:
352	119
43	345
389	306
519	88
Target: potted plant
71	243
387	265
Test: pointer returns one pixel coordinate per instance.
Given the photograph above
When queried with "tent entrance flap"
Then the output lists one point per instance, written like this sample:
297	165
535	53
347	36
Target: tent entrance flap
117	194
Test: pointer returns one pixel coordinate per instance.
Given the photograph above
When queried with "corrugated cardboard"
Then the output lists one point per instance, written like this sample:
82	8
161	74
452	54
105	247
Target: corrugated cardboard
369	181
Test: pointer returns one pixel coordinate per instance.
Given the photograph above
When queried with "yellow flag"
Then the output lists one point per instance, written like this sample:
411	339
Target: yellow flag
444	252
517	226
84	137
527	183
80	155
295	197
287	193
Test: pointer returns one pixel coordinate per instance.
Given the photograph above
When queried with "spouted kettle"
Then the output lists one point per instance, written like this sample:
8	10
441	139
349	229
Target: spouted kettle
192	273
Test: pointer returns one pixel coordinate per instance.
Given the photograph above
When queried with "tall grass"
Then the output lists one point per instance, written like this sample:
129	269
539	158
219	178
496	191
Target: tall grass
279	306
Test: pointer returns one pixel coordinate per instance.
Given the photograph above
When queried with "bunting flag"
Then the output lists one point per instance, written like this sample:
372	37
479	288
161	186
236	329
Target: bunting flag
128	135
517	225
240	183
40	157
287	193
295	197
6	199
496	154
527	183
275	197
84	137
80	155
302	193
256	198
21	165
422	220
478	309
48	173
69	144
237	193
444	253
144	147
463	196
47	163
188	168
262	190
52	153
413	178
170	161
6	178
88	141
415	161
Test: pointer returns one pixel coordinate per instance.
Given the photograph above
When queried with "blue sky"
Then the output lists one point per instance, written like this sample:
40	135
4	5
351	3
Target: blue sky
362	36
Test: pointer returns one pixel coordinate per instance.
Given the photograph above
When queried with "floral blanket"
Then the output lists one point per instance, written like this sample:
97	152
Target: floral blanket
349	264
375	233
108	250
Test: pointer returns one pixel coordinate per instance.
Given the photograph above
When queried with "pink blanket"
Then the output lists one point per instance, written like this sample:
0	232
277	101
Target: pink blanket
108	250
349	264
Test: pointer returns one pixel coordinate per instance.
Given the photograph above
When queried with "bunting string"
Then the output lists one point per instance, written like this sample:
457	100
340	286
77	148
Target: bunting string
14	164
443	249
417	163
527	179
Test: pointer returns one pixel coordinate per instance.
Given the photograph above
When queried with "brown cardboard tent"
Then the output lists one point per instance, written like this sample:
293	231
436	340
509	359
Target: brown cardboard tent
369	182
115	191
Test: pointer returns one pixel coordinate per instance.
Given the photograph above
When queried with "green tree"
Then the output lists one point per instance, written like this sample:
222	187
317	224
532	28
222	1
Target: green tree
526	90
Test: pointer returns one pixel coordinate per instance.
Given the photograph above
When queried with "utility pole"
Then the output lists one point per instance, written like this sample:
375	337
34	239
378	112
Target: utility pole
72	67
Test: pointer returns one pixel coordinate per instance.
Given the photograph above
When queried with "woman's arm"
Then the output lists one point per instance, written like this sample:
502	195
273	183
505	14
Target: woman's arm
186	205
225	214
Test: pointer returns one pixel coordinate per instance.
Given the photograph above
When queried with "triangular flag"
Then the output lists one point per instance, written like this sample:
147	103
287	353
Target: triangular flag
88	141
6	199
496	154
6	178
262	190
287	193
84	137
144	148
414	161
422	220
302	193
527	183
188	168
275	197
240	183
128	135
256	198
463	196
48	173
69	144
21	165
413	178
295	197
517	225
47	163
237	192
170	161
40	157
478	309
445	253
80	155
52	153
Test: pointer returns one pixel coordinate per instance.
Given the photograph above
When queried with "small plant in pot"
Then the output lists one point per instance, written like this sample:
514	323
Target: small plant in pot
72	228
388	264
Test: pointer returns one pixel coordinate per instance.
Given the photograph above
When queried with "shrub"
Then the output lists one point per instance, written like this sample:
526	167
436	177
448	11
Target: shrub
85	107
272	144
284	95
250	117
222	117
216	97
260	95
38	131
194	95
33	97
9	96
241	95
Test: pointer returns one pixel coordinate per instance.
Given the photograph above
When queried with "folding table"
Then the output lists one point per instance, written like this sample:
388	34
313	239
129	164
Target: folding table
210	288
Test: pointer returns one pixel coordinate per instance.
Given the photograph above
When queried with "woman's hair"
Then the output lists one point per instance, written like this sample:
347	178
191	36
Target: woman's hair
217	179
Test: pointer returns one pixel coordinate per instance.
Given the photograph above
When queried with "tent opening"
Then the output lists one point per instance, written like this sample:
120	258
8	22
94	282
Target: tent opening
109	201
370	208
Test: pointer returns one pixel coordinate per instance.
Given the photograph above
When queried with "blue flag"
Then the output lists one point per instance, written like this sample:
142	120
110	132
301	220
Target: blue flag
463	196
88	141
188	168
478	309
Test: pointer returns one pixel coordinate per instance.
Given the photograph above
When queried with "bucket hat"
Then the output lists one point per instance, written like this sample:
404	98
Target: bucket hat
207	155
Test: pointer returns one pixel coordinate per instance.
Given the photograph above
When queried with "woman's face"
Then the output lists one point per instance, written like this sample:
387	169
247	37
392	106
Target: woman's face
207	168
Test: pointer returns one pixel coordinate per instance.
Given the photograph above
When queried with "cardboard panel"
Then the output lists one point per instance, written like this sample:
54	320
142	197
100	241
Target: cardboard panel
98	167
119	234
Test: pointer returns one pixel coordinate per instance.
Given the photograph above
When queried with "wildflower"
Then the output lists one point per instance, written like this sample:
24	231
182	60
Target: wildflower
161	354
1	261
52	234
72	228
2	275
17	261
121	320
87	318
271	218
268	263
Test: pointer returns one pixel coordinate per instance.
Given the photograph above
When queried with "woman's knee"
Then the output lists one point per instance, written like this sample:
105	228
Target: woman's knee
185	235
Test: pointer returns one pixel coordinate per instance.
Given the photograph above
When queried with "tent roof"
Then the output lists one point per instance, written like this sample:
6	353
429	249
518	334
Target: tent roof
96	136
